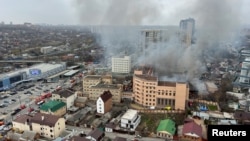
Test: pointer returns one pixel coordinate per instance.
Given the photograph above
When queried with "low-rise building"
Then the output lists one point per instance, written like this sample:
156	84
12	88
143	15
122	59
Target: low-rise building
166	129
96	135
191	131
130	120
104	103
54	107
46	125
65	95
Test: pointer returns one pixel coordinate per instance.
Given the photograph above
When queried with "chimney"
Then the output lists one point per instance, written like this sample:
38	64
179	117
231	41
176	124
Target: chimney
42	117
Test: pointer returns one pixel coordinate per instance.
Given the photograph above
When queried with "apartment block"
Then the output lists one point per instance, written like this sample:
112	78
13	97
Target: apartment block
121	64
150	92
95	85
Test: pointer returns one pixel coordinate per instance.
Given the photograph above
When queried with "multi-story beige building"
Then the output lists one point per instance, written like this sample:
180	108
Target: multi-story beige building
150	92
95	85
115	89
121	64
46	125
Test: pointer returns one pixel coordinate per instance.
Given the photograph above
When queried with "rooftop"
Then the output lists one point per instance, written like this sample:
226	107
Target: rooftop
130	114
64	93
167	125
52	105
147	77
71	72
92	77
193	128
45	119
108	86
106	96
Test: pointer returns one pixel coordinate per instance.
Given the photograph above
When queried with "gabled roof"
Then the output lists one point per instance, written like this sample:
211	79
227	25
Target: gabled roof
23	119
167	125
45	119
52	105
106	96
64	93
96	133
193	128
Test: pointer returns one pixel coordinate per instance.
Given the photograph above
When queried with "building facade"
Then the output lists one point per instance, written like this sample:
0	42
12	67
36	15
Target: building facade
45	125
166	129
121	65
150	92
187	27
95	85
104	103
66	96
54	107
130	120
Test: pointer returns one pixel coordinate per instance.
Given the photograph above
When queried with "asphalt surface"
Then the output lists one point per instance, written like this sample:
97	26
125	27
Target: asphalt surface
112	135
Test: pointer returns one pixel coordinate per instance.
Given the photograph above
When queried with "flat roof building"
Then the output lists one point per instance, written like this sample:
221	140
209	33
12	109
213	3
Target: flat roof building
150	92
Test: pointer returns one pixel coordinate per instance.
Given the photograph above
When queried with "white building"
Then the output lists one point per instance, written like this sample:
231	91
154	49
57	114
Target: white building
130	120
121	65
104	103
66	96
46	50
244	73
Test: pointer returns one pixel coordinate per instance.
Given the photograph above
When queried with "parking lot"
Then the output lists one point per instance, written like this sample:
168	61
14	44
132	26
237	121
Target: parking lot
22	97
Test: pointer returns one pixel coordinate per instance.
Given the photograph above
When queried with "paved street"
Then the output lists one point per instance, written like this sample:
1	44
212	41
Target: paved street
112	135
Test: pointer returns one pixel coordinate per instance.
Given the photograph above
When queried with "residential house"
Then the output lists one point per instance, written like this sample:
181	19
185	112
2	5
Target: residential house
104	103
65	95
80	101
242	117
21	123
110	127
54	107
191	131
46	125
130	120
166	129
95	135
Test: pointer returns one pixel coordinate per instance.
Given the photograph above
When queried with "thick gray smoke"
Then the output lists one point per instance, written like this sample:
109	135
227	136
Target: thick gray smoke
216	22
116	12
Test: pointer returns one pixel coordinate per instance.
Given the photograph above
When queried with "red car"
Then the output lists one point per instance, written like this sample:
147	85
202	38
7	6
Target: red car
31	109
22	106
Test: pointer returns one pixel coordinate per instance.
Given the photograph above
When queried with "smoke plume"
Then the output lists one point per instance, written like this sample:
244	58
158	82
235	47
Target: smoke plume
216	23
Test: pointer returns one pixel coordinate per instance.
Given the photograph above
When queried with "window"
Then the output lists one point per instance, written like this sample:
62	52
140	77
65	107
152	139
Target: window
51	130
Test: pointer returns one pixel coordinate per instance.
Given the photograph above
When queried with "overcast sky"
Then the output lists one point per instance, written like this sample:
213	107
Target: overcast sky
118	12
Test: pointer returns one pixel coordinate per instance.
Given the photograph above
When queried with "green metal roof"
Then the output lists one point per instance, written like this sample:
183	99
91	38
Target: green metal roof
52	105
167	125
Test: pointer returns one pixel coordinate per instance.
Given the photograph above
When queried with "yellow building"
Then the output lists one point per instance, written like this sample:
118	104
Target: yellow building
49	126
95	85
54	107
150	92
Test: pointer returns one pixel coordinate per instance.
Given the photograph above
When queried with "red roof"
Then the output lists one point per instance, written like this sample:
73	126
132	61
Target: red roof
193	128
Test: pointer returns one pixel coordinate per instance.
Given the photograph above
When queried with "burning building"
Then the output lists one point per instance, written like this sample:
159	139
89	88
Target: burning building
149	91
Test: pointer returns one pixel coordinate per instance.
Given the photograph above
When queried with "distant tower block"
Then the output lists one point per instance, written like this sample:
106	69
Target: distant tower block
245	71
187	28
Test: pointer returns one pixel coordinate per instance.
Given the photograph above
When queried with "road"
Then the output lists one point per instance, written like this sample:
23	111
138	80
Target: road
111	135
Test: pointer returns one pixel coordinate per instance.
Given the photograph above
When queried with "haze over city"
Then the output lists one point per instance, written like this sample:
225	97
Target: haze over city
118	12
119	70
